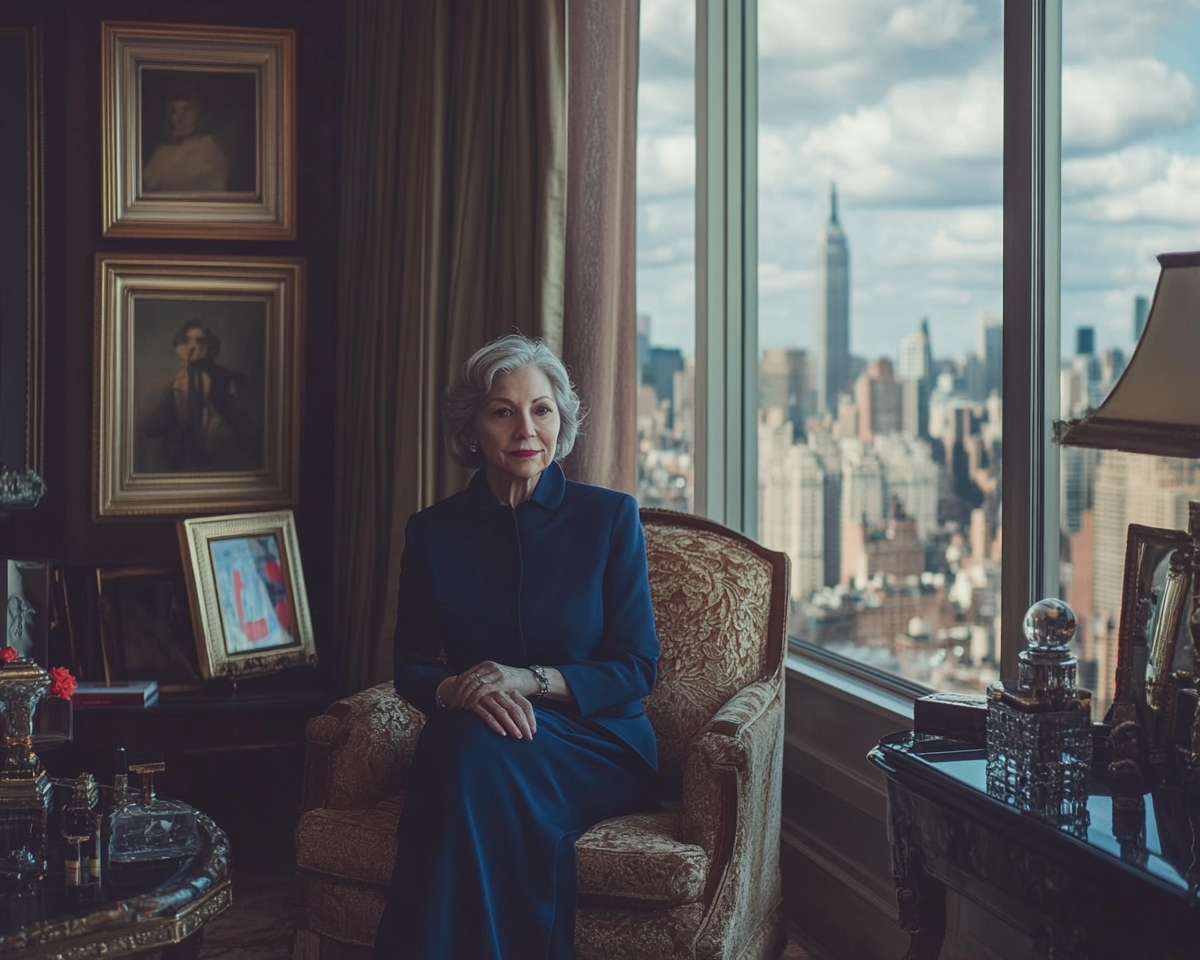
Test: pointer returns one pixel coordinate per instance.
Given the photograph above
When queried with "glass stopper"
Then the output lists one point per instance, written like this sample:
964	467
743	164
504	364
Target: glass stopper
1049	625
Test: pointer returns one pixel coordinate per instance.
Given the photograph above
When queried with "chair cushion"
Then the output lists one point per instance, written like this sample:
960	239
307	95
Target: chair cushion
350	844
635	860
712	608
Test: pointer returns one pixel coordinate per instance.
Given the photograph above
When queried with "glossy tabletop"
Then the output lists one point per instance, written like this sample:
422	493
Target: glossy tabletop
49	919
1119	882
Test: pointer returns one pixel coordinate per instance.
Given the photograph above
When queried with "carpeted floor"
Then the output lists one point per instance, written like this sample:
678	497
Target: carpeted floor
259	924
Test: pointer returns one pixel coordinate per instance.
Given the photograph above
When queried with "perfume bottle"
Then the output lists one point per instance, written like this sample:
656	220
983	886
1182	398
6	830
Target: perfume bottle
148	835
80	825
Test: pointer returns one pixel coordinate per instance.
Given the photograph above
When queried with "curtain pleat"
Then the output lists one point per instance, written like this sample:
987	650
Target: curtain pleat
599	324
452	231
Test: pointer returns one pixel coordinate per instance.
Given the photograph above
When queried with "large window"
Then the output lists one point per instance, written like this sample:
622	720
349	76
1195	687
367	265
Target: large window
666	254
879	290
902	166
1130	191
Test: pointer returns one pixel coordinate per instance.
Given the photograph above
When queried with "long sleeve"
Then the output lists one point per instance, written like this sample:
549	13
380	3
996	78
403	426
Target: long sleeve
624	665
415	653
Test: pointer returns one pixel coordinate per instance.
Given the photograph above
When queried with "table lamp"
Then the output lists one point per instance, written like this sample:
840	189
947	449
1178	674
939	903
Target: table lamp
1155	406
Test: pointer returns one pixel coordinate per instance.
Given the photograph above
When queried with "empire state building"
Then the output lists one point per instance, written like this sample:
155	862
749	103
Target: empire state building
831	330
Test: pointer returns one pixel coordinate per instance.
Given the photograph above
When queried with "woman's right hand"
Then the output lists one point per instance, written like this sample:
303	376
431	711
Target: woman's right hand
506	712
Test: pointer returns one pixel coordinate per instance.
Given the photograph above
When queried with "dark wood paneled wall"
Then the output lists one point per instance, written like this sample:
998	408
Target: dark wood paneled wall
63	528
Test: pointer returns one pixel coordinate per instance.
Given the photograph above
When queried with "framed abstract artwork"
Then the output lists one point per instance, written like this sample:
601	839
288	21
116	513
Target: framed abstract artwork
198	384
246	593
198	131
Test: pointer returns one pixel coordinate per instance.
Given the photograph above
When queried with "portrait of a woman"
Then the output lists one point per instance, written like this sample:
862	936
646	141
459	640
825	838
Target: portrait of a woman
525	635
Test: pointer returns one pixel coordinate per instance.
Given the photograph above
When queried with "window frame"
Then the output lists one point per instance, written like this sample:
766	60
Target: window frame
726	401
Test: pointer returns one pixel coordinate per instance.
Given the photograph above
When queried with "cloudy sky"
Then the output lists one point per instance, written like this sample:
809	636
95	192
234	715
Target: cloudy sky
901	103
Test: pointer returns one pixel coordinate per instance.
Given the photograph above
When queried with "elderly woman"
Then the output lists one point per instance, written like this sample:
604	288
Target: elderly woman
526	637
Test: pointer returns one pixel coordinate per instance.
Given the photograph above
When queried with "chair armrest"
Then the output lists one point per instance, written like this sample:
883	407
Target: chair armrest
730	806
358	751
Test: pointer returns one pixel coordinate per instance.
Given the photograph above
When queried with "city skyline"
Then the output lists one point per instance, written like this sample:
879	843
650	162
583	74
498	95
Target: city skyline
901	103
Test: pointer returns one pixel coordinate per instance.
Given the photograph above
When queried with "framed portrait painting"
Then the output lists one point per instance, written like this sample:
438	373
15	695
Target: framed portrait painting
22	250
199	368
246	592
198	131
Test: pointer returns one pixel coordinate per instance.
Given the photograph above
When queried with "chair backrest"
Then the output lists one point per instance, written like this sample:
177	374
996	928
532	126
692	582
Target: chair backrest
720	606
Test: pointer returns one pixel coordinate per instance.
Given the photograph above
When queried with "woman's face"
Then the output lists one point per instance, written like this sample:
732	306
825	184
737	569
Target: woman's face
194	346
184	117
517	425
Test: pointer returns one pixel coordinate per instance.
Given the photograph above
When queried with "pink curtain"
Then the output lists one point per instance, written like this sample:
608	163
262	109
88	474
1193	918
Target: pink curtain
599	333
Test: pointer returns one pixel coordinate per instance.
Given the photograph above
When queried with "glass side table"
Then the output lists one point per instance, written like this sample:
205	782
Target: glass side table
52	920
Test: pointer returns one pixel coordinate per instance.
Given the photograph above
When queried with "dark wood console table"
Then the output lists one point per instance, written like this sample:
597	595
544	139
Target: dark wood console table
237	755
1125	893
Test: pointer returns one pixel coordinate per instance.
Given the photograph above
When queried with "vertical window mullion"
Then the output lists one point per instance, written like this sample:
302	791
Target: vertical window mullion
726	267
1032	138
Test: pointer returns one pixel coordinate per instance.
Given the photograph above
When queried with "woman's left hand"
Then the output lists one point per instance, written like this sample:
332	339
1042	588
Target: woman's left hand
491	680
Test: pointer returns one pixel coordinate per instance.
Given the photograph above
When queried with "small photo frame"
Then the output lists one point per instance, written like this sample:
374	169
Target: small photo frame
28	608
198	382
246	592
198	131
146	627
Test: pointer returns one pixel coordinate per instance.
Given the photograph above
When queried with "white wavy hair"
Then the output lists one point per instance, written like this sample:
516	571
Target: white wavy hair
502	356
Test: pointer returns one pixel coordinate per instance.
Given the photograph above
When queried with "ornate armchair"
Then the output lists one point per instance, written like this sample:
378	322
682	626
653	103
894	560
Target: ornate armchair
697	879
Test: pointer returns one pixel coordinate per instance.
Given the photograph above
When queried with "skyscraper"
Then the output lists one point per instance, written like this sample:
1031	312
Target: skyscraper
831	326
918	378
1141	310
991	352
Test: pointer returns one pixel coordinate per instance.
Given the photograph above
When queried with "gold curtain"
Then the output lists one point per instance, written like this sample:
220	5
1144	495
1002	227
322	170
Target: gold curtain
452	233
599	325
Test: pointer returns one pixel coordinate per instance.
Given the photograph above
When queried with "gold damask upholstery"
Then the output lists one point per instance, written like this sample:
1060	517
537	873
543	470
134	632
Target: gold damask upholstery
698	879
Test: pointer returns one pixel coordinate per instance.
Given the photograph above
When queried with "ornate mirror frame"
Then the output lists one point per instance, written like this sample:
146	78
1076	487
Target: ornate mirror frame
1154	607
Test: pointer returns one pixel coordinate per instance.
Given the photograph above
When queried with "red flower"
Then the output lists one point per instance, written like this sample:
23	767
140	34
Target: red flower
8	654
62	684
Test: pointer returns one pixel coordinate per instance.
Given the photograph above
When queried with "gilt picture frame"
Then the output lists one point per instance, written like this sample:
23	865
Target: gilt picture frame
22	249
198	131
246	592
198	384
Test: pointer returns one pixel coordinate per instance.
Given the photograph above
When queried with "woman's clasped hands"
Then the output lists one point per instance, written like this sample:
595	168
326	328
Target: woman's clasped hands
496	693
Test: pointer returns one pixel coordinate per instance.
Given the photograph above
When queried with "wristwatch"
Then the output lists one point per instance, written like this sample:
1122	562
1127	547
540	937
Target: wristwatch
542	679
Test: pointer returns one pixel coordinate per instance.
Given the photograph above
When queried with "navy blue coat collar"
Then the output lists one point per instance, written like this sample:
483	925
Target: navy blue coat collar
548	493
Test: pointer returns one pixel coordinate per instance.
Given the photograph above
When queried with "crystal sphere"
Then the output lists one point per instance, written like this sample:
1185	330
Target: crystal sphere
1049	624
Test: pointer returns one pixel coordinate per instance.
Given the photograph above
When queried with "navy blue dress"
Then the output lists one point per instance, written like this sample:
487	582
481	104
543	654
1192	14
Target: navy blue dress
485	864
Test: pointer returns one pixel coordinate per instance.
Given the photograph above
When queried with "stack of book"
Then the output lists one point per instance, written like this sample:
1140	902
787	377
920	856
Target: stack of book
118	693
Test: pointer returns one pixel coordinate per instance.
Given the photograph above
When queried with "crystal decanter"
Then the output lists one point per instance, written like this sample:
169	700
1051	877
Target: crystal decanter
147	834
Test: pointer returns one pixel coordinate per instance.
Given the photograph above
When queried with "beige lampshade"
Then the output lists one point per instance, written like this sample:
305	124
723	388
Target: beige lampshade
1155	405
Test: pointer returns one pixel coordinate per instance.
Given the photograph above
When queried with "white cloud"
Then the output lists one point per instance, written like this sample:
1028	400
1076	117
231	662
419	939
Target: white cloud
666	105
1138	184
1173	197
819	58
1111	103
667	39
1100	29
932	140
665	165
931	23
776	278
971	235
